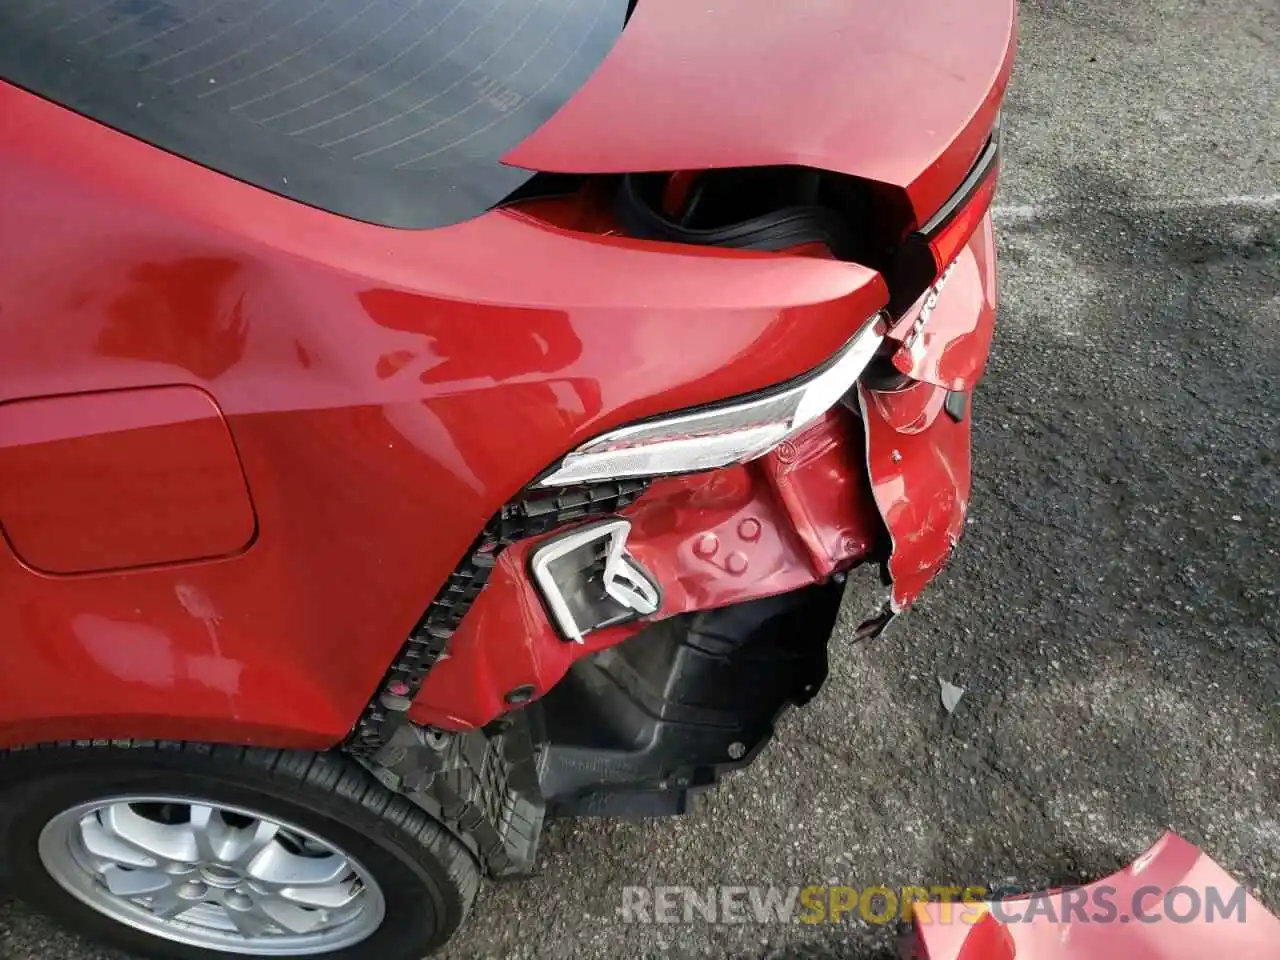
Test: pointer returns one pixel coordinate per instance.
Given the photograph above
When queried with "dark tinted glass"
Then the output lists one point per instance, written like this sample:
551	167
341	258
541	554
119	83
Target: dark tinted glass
391	111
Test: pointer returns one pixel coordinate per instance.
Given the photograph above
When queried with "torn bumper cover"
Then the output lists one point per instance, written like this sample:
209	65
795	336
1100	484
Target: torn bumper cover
918	447
1172	903
888	483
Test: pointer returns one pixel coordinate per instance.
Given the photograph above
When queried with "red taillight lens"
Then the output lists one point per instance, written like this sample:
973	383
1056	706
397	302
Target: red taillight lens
949	239
931	249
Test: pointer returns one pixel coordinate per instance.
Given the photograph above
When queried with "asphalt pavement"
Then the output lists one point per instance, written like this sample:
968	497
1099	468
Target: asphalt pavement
1112	612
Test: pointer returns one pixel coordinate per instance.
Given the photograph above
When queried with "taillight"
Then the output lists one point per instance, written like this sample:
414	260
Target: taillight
927	252
721	434
952	226
947	240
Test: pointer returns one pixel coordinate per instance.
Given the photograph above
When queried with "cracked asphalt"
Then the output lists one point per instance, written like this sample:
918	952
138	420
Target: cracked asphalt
1113	611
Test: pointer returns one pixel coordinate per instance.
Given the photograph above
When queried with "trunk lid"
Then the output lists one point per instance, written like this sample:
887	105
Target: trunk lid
901	93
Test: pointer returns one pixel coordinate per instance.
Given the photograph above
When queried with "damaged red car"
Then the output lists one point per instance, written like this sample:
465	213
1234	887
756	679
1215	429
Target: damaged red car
420	421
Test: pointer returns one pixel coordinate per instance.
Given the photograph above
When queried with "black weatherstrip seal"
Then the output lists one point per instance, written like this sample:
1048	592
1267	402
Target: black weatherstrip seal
394	112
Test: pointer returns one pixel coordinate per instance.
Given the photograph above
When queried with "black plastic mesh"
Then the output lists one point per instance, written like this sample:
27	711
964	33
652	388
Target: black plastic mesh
529	516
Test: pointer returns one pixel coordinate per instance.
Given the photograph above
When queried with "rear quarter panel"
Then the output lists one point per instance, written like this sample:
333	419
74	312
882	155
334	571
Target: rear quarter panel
386	391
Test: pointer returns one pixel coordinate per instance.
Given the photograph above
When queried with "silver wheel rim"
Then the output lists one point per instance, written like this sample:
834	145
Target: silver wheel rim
211	875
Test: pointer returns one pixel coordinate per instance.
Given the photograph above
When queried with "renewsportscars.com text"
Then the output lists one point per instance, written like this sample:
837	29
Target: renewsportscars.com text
818	903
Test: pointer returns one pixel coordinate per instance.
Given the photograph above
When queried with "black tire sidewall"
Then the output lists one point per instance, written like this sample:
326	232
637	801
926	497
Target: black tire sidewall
420	912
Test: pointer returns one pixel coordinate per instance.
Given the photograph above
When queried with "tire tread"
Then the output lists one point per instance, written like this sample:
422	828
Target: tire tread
354	795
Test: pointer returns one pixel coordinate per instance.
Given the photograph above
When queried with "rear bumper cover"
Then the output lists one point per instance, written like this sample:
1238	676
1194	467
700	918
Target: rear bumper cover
890	482
918	439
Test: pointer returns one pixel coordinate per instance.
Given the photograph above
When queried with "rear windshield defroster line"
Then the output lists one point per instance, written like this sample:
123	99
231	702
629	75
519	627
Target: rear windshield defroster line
395	112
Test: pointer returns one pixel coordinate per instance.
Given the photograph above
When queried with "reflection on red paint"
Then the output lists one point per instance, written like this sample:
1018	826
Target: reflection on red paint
386	391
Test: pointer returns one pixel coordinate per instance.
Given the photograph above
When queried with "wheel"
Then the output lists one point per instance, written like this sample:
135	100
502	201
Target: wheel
190	852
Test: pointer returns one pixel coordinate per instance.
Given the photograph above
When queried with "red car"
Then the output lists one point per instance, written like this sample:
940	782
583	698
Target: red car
419	421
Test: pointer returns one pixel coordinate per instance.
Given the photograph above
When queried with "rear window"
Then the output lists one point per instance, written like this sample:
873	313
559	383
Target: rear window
396	112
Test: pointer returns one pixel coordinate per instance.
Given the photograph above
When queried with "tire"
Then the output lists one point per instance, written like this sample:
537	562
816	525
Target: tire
420	878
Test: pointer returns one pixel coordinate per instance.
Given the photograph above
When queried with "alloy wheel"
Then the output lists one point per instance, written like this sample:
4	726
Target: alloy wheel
212	876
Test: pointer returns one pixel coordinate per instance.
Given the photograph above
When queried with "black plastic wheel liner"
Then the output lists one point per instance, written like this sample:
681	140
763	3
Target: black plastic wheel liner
396	112
637	729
